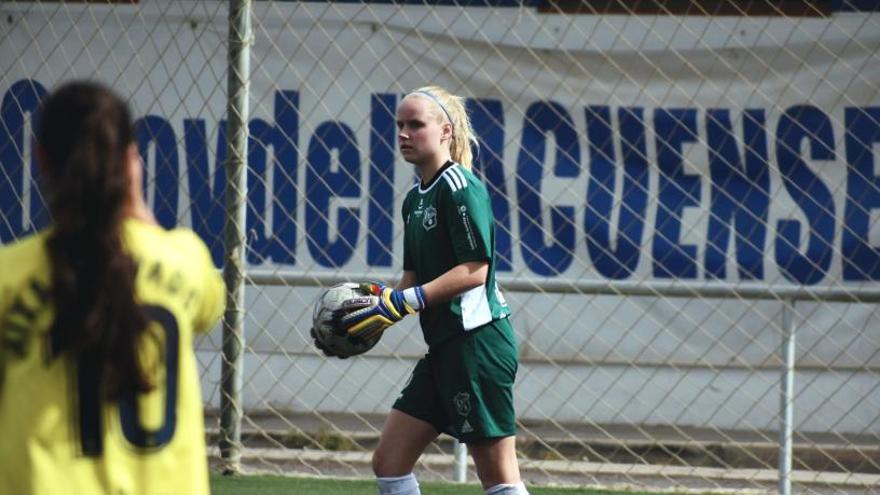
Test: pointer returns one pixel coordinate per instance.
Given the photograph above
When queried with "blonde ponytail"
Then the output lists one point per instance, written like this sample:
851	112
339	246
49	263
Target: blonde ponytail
452	107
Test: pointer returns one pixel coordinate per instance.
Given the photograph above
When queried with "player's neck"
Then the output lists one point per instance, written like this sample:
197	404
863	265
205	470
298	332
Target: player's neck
137	208
429	169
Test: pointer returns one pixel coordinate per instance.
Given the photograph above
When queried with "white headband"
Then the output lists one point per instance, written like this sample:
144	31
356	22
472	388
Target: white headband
437	101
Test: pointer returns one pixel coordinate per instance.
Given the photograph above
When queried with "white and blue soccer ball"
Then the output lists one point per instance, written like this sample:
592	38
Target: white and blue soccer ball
340	298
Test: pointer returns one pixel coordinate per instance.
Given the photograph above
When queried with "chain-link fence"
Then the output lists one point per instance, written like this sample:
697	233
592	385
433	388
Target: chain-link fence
685	193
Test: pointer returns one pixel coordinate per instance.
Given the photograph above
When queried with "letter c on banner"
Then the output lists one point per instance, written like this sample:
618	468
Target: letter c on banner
543	117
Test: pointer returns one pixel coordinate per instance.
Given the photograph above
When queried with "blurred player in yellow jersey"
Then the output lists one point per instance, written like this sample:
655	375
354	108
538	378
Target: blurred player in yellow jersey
99	391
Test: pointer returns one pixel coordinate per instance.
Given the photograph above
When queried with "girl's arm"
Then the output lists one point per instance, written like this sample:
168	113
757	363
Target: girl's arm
407	280
407	298
458	280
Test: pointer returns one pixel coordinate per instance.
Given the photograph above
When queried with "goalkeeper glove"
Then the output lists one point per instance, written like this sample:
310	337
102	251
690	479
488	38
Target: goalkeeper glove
321	347
390	308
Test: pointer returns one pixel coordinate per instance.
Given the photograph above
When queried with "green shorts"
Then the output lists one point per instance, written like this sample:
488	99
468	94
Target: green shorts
464	386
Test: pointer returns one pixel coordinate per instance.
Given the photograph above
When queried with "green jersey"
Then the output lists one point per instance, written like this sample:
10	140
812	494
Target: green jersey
446	223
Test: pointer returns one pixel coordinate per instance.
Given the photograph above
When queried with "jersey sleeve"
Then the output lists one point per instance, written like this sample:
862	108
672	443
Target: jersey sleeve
468	220
4	304
5	296
213	300
7	259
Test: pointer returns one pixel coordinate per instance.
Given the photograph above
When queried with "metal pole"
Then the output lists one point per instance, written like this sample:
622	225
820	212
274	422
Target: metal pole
742	290
787	403
234	232
460	475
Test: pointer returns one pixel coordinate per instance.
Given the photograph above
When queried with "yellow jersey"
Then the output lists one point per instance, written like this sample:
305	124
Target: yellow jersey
56	435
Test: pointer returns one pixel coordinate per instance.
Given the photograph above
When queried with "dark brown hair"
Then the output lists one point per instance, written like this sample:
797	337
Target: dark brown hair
85	131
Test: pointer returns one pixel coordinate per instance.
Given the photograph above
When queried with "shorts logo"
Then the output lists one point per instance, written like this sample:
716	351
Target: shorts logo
462	401
430	219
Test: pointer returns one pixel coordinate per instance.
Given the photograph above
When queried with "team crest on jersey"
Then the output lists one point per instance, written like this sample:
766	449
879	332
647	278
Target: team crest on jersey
462	401
430	219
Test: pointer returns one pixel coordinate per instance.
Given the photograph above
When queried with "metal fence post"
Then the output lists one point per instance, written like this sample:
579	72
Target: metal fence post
234	232
460	453
787	403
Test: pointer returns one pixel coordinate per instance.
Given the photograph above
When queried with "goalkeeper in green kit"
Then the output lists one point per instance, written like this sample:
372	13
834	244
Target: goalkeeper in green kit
463	386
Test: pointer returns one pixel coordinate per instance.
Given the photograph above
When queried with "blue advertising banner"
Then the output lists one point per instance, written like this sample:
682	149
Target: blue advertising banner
714	175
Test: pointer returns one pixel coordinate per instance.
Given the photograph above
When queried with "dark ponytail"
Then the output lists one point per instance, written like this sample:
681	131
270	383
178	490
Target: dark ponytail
85	133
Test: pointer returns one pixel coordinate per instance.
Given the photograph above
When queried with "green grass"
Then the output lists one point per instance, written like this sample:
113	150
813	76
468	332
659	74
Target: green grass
278	485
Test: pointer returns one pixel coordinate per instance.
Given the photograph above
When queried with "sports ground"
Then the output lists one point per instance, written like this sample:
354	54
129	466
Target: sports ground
271	485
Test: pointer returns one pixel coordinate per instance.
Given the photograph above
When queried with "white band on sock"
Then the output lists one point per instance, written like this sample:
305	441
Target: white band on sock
505	489
398	485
